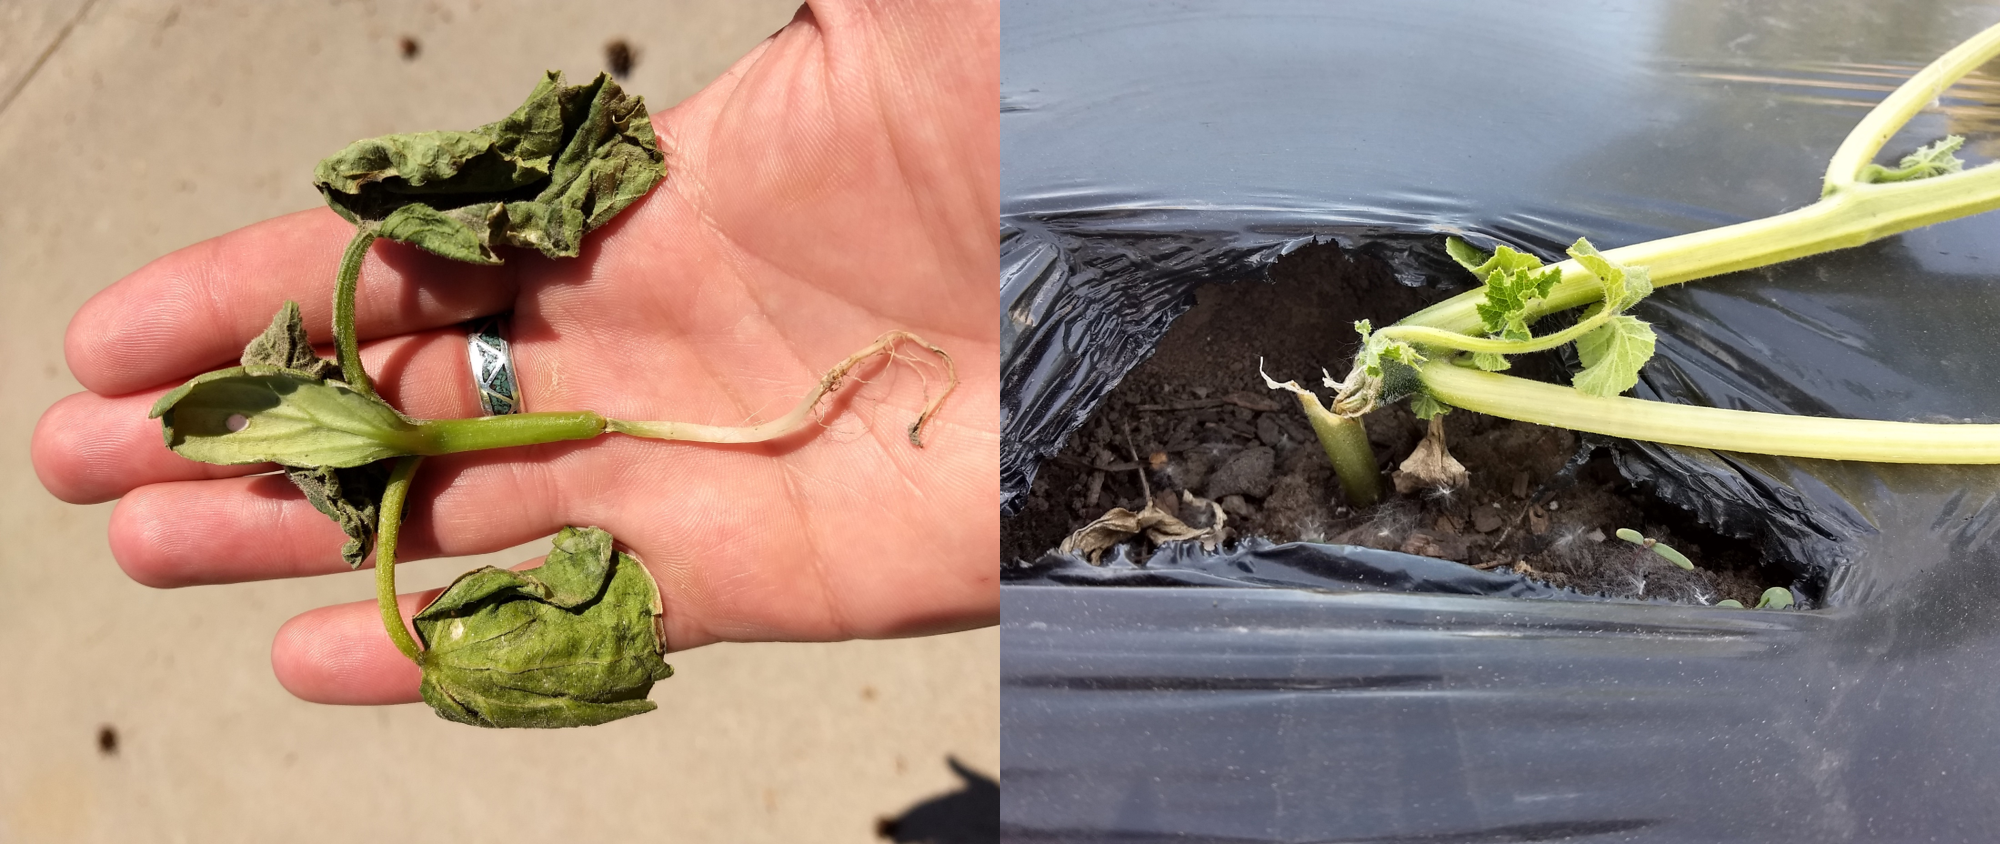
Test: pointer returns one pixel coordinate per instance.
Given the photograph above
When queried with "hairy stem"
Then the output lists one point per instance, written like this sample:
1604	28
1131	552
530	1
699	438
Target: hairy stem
1858	214
801	415
1345	441
450	436
1708	427
349	348
1889	116
1850	213
1428	336
389	530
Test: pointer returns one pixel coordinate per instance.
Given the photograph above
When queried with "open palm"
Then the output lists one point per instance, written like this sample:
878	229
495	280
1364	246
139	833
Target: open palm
839	182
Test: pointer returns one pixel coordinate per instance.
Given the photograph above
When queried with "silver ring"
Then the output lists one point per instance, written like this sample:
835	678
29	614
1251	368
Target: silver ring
492	365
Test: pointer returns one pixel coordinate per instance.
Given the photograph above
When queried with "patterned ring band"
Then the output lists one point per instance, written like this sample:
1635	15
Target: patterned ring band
492	365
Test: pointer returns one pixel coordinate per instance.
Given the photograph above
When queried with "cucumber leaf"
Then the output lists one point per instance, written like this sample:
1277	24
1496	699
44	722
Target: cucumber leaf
571	643
564	163
269	414
1612	355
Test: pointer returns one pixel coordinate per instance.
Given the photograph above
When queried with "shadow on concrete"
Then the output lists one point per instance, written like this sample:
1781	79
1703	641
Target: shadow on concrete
970	815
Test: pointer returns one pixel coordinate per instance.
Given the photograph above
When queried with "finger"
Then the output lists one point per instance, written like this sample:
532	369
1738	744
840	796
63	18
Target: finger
341	655
89	448
195	533
194	309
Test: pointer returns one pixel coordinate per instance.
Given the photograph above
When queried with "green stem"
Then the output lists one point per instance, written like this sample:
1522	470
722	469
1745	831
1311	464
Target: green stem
1428	336
1858	214
389	530
1708	427
344	339
1345	441
450	436
1850	213
1889	116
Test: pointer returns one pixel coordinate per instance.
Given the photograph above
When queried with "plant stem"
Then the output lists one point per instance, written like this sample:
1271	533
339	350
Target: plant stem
344	340
801	415
1428	336
450	436
1345	441
389	530
1850	213
1856	215
1889	116
1708	427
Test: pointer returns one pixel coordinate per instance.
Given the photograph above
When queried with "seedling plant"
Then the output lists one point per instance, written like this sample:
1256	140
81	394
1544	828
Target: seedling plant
1453	354
577	640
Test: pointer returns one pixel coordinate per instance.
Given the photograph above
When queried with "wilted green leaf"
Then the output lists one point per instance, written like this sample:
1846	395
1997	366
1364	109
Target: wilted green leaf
565	162
267	414
1612	355
571	643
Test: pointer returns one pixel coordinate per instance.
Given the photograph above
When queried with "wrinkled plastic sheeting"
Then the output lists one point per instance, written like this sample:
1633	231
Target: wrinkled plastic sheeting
1293	565
1150	148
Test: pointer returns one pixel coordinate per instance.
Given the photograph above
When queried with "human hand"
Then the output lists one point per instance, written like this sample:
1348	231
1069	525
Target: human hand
839	181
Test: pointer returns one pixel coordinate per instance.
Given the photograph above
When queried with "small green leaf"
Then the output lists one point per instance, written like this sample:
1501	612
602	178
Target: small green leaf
1375	350
1514	282
266	414
1612	355
571	643
564	163
1776	597
1491	362
1935	159
1468	256
1425	405
1732	603
1623	286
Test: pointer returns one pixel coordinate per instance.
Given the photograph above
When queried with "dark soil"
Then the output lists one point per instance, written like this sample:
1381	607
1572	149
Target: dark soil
1197	417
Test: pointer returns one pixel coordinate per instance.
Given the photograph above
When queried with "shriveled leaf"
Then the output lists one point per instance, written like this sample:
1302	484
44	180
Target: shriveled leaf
284	345
1430	465
352	498
1159	526
267	414
1612	355
571	643
564	163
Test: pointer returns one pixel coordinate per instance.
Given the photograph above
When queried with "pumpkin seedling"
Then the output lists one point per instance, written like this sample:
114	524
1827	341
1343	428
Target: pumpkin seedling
1656	546
577	640
1451	354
